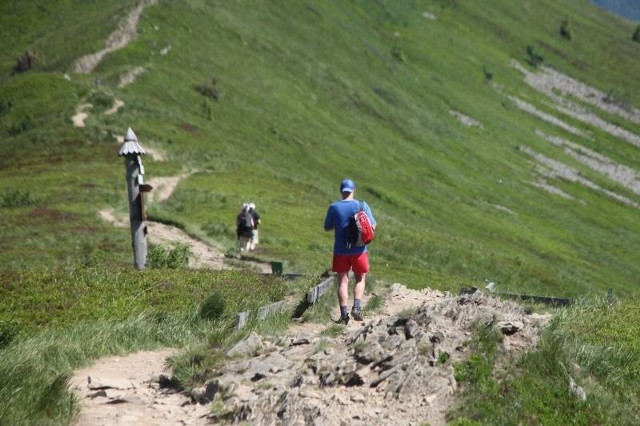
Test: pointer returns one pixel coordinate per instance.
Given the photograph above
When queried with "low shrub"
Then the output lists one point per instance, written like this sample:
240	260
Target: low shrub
25	62
535	58
210	90
565	29
17	198
175	257
8	332
5	105
100	100
21	125
636	34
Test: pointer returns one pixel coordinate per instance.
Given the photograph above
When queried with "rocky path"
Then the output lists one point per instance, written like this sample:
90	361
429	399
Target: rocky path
395	367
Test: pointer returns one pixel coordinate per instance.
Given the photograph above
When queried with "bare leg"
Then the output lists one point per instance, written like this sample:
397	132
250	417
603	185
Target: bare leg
358	289
343	288
243	243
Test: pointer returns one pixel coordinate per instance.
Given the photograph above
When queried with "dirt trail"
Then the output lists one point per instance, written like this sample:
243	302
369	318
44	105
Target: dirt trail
202	255
127	30
127	390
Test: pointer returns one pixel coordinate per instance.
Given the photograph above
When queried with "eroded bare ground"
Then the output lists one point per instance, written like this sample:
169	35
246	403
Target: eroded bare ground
564	94
202	254
125	390
395	367
127	30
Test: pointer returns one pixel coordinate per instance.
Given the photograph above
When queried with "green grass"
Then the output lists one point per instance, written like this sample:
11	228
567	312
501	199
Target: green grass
59	298
581	345
37	368
57	321
307	94
293	110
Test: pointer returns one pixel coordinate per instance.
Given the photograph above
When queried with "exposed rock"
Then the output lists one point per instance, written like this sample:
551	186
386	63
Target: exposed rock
398	366
246	346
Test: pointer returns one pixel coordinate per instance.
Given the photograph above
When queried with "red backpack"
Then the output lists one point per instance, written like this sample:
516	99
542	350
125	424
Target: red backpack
359	229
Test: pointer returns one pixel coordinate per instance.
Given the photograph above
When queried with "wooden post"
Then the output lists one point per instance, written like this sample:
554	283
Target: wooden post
132	153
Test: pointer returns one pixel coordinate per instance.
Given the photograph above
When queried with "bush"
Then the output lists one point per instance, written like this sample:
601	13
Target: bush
398	54
175	257
5	105
636	34
100	100
565	30
8	332
26	122
535	58
17	198
488	74
24	63
208	89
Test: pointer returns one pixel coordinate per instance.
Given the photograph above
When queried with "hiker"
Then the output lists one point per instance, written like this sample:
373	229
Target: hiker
244	228
348	257
256	221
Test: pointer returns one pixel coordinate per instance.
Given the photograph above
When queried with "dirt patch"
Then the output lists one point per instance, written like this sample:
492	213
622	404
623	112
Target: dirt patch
117	104
81	115
559	87
465	119
163	187
130	76
156	154
134	393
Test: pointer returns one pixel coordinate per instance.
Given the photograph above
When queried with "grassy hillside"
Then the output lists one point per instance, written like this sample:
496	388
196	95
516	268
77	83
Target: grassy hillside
480	162
304	94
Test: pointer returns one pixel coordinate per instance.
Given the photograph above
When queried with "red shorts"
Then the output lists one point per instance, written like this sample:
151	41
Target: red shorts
344	262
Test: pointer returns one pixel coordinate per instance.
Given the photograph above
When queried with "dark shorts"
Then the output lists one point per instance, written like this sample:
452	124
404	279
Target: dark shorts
344	262
244	232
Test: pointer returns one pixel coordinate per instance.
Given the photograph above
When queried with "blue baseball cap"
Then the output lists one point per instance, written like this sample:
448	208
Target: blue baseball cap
347	185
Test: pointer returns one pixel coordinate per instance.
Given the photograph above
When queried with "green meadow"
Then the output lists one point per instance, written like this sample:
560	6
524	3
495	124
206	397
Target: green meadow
277	102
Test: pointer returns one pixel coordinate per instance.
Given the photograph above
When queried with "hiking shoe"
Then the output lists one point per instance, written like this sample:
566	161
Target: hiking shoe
344	319
356	313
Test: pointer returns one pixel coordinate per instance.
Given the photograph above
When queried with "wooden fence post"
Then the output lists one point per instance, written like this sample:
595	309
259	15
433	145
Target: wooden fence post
132	153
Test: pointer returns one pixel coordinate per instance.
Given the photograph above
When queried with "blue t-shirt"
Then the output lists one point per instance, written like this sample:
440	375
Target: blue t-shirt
337	219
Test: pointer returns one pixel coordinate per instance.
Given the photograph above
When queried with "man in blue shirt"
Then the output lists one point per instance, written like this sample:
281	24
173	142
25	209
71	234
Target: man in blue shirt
348	257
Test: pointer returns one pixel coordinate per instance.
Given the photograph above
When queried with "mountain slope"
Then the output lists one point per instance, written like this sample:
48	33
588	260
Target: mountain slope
276	104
